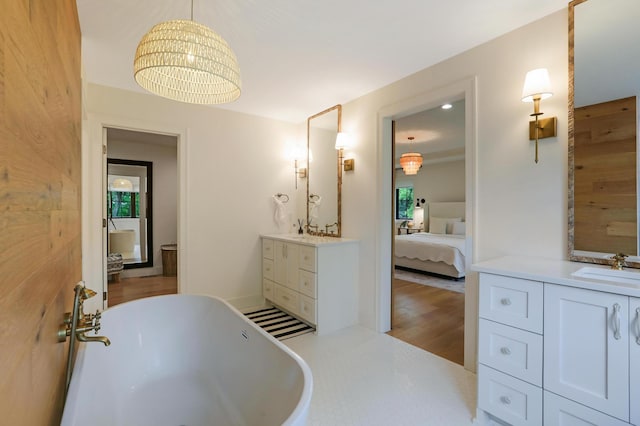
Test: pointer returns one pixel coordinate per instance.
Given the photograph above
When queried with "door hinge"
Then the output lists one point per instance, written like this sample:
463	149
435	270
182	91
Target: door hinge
104	296
104	149
104	222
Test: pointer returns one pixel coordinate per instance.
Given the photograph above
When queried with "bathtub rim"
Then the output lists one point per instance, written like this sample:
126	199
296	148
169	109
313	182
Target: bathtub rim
302	407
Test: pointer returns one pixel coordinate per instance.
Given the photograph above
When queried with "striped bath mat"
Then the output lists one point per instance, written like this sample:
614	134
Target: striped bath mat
279	324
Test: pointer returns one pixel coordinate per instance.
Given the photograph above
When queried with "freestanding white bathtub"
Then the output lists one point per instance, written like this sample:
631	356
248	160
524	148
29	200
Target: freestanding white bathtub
186	360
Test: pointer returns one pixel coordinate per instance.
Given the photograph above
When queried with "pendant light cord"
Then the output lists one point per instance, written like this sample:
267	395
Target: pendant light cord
192	10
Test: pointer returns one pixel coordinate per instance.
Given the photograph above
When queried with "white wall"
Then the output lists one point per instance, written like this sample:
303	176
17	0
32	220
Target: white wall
233	163
165	194
436	182
520	206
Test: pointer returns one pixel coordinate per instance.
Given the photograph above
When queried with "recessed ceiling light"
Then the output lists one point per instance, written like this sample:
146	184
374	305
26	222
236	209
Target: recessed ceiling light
447	106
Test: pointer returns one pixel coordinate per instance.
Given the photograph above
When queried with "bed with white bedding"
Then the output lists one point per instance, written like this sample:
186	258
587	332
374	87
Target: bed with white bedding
441	251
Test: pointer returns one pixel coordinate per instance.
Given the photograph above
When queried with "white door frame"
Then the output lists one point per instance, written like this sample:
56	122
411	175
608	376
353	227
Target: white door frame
466	89
94	163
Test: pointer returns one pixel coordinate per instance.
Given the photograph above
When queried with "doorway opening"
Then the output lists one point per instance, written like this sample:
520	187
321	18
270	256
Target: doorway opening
429	230
387	228
141	199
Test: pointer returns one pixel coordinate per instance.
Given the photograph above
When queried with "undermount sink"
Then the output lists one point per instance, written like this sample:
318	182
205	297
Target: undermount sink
604	274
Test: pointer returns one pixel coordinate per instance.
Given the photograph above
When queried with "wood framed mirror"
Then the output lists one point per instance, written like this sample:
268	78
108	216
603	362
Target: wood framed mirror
324	174
604	89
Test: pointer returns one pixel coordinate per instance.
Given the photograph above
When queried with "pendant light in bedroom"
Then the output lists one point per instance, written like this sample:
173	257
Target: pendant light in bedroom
411	161
187	62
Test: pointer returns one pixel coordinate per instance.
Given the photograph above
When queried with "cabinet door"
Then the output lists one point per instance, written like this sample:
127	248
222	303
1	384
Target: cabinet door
291	251
560	411
586	348
279	262
634	357
285	264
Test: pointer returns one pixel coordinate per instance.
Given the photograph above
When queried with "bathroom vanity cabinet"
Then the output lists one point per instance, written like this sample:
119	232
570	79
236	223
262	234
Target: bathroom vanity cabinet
554	349
312	278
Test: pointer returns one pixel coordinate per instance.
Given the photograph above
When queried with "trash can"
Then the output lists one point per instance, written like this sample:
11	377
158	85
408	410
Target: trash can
169	260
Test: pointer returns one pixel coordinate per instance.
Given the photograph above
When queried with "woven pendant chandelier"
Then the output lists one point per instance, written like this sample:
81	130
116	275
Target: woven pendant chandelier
187	62
411	161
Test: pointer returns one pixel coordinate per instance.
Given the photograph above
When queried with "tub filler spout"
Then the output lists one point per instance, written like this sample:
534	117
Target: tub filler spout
76	324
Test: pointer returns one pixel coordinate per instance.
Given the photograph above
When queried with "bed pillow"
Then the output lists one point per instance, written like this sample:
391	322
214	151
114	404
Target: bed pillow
459	228
442	225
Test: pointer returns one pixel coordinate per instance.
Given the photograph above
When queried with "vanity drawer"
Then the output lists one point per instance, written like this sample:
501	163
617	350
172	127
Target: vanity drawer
286	298
561	411
308	309
307	258
307	283
267	249
511	301
267	268
512	400
267	289
511	350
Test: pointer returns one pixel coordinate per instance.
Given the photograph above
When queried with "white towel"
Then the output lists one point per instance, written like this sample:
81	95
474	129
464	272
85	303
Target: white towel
314	205
280	215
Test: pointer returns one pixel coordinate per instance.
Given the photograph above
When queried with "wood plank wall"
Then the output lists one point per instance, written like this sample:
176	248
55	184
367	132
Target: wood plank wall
40	178
605	177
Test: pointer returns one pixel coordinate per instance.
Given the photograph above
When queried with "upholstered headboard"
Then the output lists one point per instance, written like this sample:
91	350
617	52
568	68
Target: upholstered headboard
444	209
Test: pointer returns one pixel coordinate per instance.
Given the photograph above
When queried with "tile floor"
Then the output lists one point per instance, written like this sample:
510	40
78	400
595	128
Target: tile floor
366	378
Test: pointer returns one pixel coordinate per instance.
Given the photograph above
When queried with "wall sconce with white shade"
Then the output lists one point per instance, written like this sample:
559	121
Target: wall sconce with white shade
537	87
300	172
343	141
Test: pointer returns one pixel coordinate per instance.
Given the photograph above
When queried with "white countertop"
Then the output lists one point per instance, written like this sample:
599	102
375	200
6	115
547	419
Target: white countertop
309	240
554	271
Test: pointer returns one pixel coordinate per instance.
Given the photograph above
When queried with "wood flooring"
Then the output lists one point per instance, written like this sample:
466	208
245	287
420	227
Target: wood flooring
429	318
128	289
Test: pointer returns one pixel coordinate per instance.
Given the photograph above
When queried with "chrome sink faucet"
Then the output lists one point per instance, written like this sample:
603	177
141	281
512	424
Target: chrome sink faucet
618	261
76	324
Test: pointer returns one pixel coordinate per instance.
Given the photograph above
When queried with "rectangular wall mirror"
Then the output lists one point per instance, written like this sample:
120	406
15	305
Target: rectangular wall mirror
324	176
130	217
604	88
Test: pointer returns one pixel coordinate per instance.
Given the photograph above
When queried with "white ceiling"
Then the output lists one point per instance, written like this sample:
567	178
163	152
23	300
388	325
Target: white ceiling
298	57
437	133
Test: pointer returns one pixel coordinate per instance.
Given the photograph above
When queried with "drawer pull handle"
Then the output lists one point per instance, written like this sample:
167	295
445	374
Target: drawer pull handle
616	321
505	350
638	326
506	301
505	400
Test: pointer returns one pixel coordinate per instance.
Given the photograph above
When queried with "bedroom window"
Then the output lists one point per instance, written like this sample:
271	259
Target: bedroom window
404	203
123	204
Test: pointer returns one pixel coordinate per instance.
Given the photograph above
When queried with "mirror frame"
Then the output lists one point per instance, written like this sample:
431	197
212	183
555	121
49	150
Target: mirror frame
148	165
571	147
338	232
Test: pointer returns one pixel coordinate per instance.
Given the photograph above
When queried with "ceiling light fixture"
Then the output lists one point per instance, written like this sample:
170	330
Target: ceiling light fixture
121	185
187	62
411	161
446	106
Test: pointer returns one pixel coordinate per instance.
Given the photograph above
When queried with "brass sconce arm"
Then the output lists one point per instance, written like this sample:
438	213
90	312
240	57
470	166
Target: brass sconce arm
536	88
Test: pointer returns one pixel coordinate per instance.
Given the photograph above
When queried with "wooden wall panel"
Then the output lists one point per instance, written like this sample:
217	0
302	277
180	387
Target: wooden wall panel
605	177
40	186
